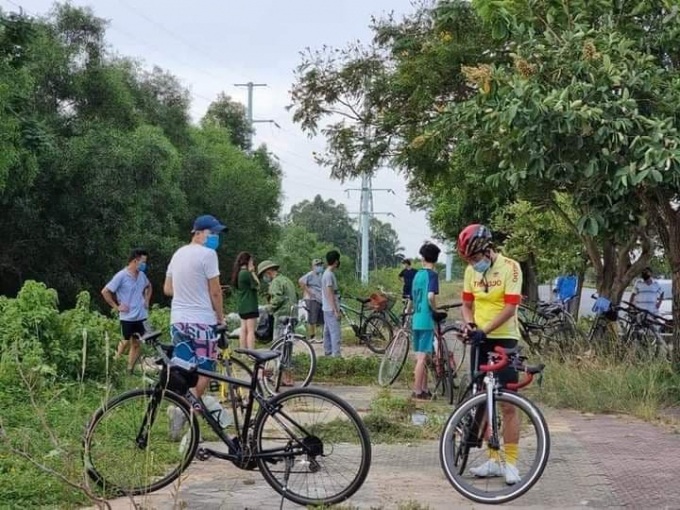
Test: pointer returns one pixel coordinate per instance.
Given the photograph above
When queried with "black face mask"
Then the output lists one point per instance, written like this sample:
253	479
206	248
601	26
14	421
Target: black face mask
646	276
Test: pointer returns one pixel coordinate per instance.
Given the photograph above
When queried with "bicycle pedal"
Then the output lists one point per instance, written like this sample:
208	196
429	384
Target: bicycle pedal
202	454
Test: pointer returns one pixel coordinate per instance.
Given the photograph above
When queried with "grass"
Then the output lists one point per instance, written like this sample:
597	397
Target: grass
70	406
389	419
601	385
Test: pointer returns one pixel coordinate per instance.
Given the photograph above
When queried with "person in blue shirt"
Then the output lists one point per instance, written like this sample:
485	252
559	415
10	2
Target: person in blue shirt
406	276
424	290
129	293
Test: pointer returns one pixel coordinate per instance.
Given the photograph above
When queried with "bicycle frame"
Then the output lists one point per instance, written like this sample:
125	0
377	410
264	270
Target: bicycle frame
236	448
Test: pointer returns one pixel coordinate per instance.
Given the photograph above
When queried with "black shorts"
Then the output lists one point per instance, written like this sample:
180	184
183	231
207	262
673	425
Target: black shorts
508	374
314	313
129	328
249	315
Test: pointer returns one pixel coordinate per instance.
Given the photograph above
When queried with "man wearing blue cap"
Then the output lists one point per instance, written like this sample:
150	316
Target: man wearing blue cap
193	281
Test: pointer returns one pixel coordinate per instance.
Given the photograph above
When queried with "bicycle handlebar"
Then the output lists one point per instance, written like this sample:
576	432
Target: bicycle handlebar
449	307
495	366
529	371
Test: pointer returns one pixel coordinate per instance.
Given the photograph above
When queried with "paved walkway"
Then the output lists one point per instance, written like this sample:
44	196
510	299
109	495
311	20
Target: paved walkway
595	462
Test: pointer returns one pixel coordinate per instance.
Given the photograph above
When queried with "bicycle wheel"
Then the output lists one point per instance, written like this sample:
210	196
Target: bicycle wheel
297	363
439	373
128	445
307	461
465	427
377	333
394	358
460	367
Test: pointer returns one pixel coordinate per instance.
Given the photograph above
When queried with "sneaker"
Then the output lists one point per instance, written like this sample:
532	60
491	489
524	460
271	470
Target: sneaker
316	340
490	468
511	474
177	421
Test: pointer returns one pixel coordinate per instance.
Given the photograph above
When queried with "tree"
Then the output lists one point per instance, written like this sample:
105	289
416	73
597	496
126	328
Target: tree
386	250
589	106
97	156
329	221
230	115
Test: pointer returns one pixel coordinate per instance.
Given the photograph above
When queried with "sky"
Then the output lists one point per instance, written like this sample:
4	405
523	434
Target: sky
212	45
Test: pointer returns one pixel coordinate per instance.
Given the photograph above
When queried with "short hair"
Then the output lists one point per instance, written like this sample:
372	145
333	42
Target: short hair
332	257
406	261
137	253
430	252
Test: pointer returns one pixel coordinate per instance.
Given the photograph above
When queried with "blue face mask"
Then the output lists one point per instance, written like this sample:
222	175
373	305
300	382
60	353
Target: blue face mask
266	278
212	241
482	266
318	269
142	266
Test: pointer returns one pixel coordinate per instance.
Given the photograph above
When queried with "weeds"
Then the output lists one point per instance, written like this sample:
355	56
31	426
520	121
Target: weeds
601	385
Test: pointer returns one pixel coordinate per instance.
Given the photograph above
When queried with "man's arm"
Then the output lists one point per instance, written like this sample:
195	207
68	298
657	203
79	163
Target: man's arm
167	286
148	291
216	298
468	299
277	296
332	299
303	285
660	298
110	298
505	314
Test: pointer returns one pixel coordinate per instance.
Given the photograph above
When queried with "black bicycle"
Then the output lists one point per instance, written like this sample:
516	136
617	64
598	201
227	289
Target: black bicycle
142	440
372	329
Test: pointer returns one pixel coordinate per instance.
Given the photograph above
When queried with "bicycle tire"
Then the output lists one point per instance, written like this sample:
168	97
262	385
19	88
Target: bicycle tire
376	323
394	359
91	442
460	368
437	365
447	456
273	387
274	408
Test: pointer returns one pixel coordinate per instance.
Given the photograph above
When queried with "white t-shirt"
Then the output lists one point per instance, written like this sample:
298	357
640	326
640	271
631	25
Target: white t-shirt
190	269
647	295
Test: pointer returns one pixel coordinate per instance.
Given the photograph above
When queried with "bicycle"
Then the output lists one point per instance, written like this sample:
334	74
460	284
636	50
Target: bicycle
298	357
443	367
547	323
476	422
641	332
371	330
290	455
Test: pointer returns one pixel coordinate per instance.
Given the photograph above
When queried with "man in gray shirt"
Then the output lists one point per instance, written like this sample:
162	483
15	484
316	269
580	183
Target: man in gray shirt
311	289
330	305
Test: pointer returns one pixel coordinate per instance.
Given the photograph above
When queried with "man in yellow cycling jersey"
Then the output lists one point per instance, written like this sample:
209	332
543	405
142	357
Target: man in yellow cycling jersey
492	291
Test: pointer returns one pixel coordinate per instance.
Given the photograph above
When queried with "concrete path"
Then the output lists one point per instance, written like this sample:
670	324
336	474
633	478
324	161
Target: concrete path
595	462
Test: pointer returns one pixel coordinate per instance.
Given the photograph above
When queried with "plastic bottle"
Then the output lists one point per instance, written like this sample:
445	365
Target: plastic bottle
217	411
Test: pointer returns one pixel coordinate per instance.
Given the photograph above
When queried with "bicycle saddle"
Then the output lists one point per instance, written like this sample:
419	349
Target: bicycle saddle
259	356
293	321
152	335
439	316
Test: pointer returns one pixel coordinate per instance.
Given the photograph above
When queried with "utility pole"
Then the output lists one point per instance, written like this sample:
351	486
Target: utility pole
449	260
365	214
249	114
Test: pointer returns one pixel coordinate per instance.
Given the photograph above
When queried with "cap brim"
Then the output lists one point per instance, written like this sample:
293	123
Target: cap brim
219	228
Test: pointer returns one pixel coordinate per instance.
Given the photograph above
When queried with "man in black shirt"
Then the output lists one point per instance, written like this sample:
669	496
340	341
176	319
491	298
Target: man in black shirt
406	276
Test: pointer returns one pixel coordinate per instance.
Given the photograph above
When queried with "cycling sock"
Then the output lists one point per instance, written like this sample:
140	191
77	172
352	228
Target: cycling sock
511	453
493	454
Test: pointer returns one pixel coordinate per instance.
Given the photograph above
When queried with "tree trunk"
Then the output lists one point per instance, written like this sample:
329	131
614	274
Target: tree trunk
667	222
575	304
529	278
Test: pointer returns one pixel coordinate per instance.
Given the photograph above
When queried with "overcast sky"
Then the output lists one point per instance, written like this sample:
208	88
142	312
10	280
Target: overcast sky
212	45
